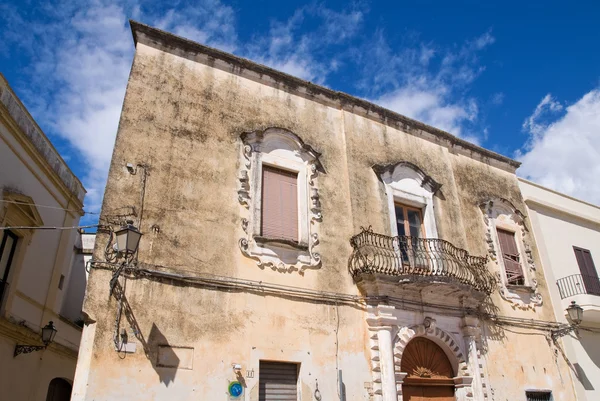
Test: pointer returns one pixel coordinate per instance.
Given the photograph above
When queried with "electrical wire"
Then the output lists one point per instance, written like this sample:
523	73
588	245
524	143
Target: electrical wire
46	206
235	284
47	227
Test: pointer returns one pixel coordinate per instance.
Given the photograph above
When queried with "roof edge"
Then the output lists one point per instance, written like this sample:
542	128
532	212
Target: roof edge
163	40
36	136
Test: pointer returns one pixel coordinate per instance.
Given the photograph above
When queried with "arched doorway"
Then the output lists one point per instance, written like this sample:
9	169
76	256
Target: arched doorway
429	372
59	390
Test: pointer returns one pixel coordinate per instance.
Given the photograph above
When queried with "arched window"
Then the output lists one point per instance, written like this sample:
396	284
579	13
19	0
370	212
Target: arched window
59	390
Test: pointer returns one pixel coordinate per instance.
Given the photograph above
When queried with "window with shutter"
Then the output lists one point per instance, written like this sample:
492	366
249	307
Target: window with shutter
279	204
510	257
588	270
278	381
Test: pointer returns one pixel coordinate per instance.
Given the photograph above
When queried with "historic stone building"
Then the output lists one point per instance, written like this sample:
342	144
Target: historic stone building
302	244
41	282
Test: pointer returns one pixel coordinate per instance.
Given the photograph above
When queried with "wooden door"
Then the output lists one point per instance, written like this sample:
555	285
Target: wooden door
427	393
429	372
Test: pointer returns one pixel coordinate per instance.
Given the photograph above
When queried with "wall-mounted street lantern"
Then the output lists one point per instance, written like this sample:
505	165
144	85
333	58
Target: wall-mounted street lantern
48	334
126	242
128	239
575	313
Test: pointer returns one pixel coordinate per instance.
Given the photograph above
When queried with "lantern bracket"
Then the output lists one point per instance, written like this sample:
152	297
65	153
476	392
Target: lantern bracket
26	349
556	334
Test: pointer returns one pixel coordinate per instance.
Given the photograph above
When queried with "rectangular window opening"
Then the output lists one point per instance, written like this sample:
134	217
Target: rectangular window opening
8	245
539	395
278	381
279	204
409	221
589	274
511	257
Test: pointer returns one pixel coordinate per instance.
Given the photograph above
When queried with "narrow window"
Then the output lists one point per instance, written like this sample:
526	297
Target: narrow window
409	221
539	395
510	256
7	252
279	204
588	271
278	381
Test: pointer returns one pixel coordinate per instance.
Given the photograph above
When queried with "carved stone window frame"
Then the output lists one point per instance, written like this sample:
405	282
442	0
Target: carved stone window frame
501	214
280	148
407	184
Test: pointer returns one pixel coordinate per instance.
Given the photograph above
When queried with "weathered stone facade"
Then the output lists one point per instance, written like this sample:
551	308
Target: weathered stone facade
213	291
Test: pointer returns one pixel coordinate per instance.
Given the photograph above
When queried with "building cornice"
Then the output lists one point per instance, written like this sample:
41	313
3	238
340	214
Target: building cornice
20	123
215	58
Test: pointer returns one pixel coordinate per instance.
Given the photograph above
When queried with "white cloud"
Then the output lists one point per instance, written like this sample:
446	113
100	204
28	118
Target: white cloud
407	82
533	123
300	46
80	73
565	154
428	104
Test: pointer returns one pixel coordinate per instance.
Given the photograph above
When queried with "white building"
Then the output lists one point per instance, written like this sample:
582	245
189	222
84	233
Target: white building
567	232
39	283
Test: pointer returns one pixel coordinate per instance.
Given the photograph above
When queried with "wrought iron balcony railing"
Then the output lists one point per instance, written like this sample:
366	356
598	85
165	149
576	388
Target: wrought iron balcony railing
576	284
405	256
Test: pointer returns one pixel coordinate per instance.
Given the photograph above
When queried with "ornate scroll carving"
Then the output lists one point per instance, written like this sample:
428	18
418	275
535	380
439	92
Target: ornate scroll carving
283	149
522	297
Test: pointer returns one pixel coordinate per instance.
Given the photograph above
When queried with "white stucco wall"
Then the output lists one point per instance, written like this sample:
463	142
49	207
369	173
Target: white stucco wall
559	223
31	169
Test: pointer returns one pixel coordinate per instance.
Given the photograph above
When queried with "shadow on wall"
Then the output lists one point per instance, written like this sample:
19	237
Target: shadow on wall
156	347
162	356
589	342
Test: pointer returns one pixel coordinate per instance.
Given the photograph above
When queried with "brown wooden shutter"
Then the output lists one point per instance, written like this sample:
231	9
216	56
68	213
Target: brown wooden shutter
278	381
510	256
279	204
588	271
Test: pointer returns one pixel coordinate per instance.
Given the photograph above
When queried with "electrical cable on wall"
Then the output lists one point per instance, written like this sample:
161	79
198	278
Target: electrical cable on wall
48	227
46	206
140	270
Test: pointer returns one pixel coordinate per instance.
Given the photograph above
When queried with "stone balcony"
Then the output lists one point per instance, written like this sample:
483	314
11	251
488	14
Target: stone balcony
585	291
423	269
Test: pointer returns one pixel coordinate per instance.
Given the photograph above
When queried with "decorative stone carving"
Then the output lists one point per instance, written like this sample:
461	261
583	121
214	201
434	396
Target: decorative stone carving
283	149
522	297
315	205
244	191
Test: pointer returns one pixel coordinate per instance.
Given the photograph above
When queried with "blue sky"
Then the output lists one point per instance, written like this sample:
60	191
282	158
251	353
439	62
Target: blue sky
522	79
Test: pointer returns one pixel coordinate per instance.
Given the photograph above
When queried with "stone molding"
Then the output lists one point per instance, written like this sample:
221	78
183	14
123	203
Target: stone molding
429	329
281	148
382	317
528	297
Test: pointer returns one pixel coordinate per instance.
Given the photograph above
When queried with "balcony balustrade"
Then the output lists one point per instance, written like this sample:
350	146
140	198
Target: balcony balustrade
585	291
418	259
576	284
